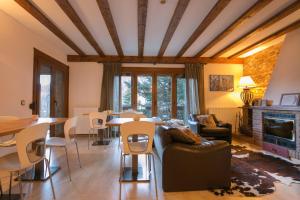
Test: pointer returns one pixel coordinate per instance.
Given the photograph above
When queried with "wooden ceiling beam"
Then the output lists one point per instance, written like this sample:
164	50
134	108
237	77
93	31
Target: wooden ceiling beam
212	15
73	16
253	10
37	14
265	40
177	15
109	21
152	59
267	23
142	18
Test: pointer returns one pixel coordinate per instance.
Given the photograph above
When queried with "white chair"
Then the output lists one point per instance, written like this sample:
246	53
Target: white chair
131	145
5	141
130	114
30	143
70	138
97	122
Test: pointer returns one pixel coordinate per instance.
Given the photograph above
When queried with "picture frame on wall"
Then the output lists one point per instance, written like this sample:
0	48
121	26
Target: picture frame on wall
221	83
290	99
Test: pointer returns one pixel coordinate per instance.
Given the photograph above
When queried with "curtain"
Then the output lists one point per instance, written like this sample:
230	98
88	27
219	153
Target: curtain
110	87
194	74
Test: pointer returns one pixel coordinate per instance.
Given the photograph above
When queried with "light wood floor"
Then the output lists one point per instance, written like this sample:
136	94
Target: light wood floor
98	180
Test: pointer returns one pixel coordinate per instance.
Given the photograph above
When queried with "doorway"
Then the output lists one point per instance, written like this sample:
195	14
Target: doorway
50	89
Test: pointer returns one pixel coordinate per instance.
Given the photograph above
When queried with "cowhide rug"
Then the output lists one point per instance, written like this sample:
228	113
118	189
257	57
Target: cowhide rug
254	173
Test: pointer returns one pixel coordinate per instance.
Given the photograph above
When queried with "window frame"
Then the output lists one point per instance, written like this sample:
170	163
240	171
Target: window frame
154	72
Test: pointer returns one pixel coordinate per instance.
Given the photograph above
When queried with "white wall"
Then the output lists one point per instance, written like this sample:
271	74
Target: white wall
16	64
223	99
286	74
84	85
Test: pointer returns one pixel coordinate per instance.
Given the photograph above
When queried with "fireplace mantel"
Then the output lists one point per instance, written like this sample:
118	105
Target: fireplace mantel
257	126
279	108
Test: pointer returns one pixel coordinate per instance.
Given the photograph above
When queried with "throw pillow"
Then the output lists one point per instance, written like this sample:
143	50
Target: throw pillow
207	120
184	135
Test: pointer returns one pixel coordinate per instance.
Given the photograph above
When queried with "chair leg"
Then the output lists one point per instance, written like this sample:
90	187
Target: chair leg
1	190
154	175
50	152
10	183
89	139
78	154
69	171
50	177
20	186
120	179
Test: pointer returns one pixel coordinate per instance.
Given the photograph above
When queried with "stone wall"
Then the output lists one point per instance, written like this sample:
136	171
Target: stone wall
260	67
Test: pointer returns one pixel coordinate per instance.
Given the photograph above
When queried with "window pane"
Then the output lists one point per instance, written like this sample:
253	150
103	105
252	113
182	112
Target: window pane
45	82
181	98
126	92
144	94
164	97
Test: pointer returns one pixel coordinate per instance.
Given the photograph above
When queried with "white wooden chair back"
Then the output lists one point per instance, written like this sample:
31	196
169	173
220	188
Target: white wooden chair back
137	129
95	117
30	142
8	118
70	129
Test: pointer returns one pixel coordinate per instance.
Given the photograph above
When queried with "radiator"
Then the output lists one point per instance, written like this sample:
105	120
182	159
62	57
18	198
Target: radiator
226	115
83	126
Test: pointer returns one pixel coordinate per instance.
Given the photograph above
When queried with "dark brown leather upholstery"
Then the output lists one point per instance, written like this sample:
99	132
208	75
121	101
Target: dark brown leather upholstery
223	131
192	167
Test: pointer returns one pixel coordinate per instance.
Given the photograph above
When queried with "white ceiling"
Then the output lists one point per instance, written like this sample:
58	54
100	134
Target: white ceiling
158	17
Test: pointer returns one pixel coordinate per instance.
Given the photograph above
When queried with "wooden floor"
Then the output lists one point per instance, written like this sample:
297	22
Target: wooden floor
99	175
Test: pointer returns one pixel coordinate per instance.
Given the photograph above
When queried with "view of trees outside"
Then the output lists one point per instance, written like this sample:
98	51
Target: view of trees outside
164	95
126	92
45	81
181	98
144	95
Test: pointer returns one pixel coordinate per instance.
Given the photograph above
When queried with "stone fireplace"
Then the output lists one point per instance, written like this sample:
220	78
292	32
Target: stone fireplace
277	129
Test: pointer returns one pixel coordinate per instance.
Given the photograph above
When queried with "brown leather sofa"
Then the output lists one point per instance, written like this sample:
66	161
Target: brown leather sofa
188	167
223	131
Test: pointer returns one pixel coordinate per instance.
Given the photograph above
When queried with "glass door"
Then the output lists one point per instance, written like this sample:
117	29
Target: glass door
164	96
50	89
144	94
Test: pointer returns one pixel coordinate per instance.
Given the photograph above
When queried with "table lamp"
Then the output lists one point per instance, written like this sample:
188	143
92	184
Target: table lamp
246	83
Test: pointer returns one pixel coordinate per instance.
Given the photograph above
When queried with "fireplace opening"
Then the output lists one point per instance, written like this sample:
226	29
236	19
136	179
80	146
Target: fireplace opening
280	129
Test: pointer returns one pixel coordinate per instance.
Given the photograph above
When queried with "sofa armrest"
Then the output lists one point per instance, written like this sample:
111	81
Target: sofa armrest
195	126
196	167
225	125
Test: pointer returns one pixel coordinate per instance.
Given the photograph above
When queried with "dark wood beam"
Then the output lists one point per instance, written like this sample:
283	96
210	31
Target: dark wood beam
37	14
73	16
142	16
109	21
267	23
151	59
177	15
253	10
212	15
265	40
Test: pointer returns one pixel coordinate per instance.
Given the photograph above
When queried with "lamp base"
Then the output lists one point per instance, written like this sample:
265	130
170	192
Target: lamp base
247	96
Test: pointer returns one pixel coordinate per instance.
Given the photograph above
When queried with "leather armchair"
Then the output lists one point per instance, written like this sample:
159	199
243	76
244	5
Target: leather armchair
223	131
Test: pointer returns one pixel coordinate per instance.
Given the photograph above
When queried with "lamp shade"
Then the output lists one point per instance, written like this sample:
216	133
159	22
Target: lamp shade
246	82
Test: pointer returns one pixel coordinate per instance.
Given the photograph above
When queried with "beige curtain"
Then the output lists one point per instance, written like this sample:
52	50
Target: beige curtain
194	74
110	87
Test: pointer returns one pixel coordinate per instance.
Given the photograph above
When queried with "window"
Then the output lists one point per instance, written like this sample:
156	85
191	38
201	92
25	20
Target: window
164	96
126	85
144	94
154	91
